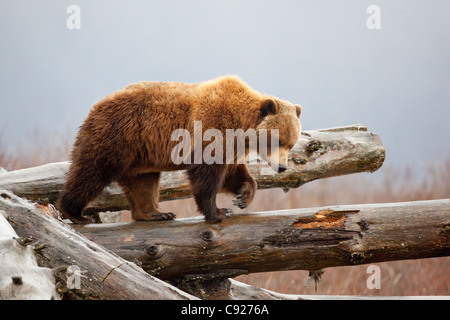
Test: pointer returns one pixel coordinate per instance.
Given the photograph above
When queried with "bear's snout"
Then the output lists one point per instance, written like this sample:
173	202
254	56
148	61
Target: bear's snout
281	168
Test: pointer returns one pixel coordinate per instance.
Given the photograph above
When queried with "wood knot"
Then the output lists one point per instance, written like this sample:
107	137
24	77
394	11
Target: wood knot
155	251
17	280
5	196
152	250
207	235
299	160
313	146
357	257
25	241
363	225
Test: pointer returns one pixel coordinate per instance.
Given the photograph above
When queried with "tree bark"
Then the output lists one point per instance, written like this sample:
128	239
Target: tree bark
318	154
191	253
82	268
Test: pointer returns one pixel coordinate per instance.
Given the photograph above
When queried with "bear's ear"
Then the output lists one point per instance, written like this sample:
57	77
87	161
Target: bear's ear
268	106
298	109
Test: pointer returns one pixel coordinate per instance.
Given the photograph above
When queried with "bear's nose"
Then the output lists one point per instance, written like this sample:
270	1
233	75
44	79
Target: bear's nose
281	168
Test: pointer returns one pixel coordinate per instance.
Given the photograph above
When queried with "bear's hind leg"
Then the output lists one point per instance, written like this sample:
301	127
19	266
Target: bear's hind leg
84	183
142	192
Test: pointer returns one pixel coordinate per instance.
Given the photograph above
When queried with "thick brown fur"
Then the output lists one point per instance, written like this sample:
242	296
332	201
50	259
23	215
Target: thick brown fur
127	138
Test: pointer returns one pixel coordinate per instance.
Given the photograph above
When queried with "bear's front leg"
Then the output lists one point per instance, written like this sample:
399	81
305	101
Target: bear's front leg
239	182
245	194
205	182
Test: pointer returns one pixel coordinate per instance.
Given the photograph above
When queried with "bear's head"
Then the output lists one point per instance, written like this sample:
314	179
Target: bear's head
280	117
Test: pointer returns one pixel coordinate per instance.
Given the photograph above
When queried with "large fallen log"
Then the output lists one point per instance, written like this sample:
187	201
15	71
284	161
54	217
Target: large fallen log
236	290
81	268
318	154
20	276
191	253
200	257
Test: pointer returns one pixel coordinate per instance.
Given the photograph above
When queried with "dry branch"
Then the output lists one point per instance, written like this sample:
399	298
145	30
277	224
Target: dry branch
103	275
318	154
186	250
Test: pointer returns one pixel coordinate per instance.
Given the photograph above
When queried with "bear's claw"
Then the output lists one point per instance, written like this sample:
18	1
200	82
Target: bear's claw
82	220
240	201
155	216
168	216
222	214
227	212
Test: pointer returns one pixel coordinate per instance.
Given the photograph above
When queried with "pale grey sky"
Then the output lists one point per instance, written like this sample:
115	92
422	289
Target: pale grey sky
319	54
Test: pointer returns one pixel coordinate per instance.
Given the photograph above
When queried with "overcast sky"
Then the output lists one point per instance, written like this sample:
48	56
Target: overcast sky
319	54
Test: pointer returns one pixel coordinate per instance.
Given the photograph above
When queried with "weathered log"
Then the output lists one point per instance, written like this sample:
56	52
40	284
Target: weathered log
189	250
20	276
318	154
236	290
82	268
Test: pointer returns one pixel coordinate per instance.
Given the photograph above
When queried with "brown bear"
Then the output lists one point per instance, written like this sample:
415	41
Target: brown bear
127	138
